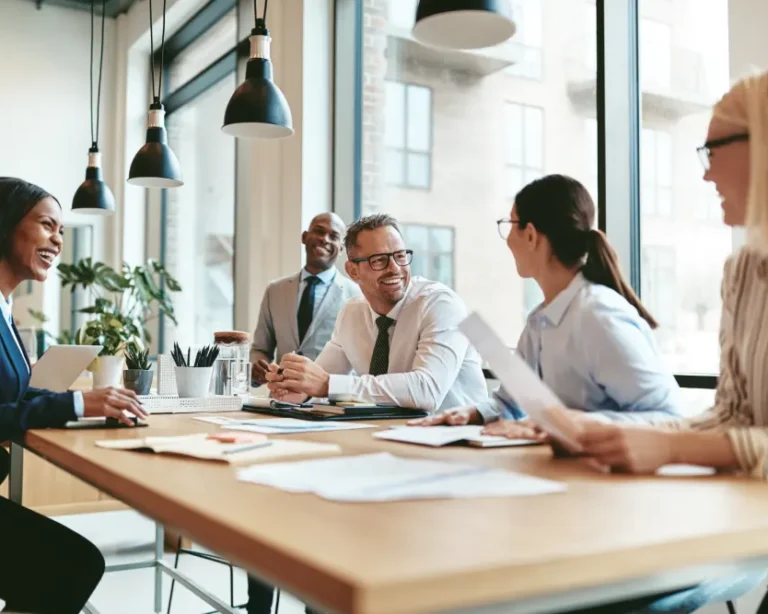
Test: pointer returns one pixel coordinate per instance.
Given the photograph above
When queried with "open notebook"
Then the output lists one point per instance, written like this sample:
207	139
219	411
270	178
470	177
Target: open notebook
437	436
258	448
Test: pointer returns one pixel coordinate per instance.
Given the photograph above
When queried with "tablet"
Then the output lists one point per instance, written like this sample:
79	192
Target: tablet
61	365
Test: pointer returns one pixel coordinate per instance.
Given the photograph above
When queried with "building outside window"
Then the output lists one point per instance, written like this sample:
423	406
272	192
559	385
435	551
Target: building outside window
408	135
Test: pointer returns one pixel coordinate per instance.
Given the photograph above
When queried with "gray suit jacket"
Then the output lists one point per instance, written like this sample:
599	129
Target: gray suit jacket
278	327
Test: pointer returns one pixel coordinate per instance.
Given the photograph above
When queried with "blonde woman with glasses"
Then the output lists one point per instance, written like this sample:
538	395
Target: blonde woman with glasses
732	435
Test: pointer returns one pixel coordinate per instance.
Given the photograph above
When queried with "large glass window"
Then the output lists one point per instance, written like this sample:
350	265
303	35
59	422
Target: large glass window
473	128
684	69
197	220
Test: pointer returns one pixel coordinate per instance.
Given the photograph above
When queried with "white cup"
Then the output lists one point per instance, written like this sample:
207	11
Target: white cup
193	382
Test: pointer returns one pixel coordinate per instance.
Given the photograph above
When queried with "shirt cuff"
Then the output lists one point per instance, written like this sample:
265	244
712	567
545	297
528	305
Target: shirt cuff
341	388
488	411
77	398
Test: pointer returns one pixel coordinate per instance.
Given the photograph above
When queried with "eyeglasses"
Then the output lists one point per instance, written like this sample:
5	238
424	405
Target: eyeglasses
505	227
705	151
379	262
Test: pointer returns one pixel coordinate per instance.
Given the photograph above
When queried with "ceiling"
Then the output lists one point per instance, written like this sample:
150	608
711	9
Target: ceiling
114	7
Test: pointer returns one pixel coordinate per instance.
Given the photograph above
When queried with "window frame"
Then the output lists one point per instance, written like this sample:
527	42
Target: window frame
430	253
523	167
405	151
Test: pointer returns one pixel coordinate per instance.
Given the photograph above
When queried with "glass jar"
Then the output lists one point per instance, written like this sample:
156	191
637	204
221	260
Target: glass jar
232	370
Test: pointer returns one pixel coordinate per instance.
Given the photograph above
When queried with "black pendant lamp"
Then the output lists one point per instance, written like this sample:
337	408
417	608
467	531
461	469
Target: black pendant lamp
463	24
94	195
155	165
258	109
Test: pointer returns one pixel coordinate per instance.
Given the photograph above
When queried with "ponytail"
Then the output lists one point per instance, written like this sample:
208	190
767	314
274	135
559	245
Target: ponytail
602	267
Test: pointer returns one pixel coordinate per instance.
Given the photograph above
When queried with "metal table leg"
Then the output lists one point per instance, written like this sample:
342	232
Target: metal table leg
16	475
159	551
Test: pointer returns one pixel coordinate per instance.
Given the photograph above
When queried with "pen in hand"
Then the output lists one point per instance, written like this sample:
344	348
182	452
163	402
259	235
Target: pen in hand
280	370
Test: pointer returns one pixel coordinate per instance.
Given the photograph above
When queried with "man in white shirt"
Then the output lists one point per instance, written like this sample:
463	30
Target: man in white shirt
399	344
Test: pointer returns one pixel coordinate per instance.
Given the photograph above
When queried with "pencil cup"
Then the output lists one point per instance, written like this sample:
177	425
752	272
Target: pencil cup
193	382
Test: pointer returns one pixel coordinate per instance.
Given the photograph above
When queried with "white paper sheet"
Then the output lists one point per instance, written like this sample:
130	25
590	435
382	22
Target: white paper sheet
685	471
277	426
437	436
533	396
385	477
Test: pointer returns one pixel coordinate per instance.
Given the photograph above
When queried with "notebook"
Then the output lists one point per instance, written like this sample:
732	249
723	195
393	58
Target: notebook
437	436
206	447
332	412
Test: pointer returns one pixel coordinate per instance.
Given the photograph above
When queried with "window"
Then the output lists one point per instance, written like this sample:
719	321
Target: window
432	251
684	63
524	145
656	172
660	284
408	135
197	220
459	125
527	40
218	40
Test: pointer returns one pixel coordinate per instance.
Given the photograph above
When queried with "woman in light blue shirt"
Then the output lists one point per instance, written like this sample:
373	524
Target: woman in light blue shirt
590	340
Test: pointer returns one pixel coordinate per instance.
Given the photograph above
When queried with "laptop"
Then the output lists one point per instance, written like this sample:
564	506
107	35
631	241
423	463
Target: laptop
61	365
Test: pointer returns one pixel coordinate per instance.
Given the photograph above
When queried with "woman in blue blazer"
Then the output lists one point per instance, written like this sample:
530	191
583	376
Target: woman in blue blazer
44	568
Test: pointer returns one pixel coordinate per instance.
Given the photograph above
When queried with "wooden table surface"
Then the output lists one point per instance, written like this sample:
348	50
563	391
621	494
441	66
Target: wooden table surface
426	556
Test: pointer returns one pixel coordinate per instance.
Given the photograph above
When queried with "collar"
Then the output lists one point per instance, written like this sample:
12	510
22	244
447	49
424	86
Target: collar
394	313
5	307
326	277
555	311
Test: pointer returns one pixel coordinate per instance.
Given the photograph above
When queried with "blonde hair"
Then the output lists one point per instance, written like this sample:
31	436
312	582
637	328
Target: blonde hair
745	107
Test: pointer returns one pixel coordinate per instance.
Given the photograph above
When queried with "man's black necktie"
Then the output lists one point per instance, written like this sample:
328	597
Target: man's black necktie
380	356
307	306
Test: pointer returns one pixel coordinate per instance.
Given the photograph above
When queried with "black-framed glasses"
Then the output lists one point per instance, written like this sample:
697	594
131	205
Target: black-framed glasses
379	262
505	226
705	151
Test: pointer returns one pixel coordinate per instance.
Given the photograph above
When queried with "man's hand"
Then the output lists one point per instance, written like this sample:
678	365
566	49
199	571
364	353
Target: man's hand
624	448
111	402
260	369
515	429
297	374
458	416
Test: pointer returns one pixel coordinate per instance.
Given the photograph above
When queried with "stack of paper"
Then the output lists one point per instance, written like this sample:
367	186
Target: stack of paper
281	426
384	477
437	436
203	447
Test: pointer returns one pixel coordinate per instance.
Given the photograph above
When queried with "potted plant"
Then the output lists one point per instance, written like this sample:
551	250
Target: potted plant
123	304
193	379
137	375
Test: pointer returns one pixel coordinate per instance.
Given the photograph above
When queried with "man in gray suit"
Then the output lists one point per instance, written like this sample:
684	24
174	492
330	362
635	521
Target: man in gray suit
298	312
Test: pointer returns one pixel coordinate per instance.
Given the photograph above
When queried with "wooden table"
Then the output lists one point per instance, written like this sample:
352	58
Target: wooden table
606	537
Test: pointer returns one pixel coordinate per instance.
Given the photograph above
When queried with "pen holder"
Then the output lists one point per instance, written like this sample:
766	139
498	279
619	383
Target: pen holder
193	382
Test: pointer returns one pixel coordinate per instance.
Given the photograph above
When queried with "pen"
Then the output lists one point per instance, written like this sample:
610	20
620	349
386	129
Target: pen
280	370
247	447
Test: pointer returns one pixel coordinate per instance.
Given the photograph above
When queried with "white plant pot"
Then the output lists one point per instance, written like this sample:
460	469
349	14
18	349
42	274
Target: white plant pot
193	382
107	371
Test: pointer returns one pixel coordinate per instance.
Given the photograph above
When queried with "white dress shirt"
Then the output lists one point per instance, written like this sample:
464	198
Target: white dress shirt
5	311
431	364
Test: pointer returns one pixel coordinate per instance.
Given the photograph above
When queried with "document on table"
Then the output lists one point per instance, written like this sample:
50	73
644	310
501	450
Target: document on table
281	426
521	382
437	436
385	477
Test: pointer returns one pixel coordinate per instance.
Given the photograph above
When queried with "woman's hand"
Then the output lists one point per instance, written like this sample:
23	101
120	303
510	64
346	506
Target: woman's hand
458	416
515	429
625	448
112	402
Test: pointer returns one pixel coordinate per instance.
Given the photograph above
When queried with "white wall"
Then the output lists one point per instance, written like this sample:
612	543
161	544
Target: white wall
44	114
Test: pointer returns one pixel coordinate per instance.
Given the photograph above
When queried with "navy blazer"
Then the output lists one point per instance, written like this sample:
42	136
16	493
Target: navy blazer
22	407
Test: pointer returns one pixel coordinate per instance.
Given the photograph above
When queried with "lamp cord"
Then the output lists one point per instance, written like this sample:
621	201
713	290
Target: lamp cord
95	133
156	94
162	55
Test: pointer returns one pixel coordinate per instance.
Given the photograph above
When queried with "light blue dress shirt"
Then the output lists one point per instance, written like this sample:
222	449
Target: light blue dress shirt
592	348
320	289
5	311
